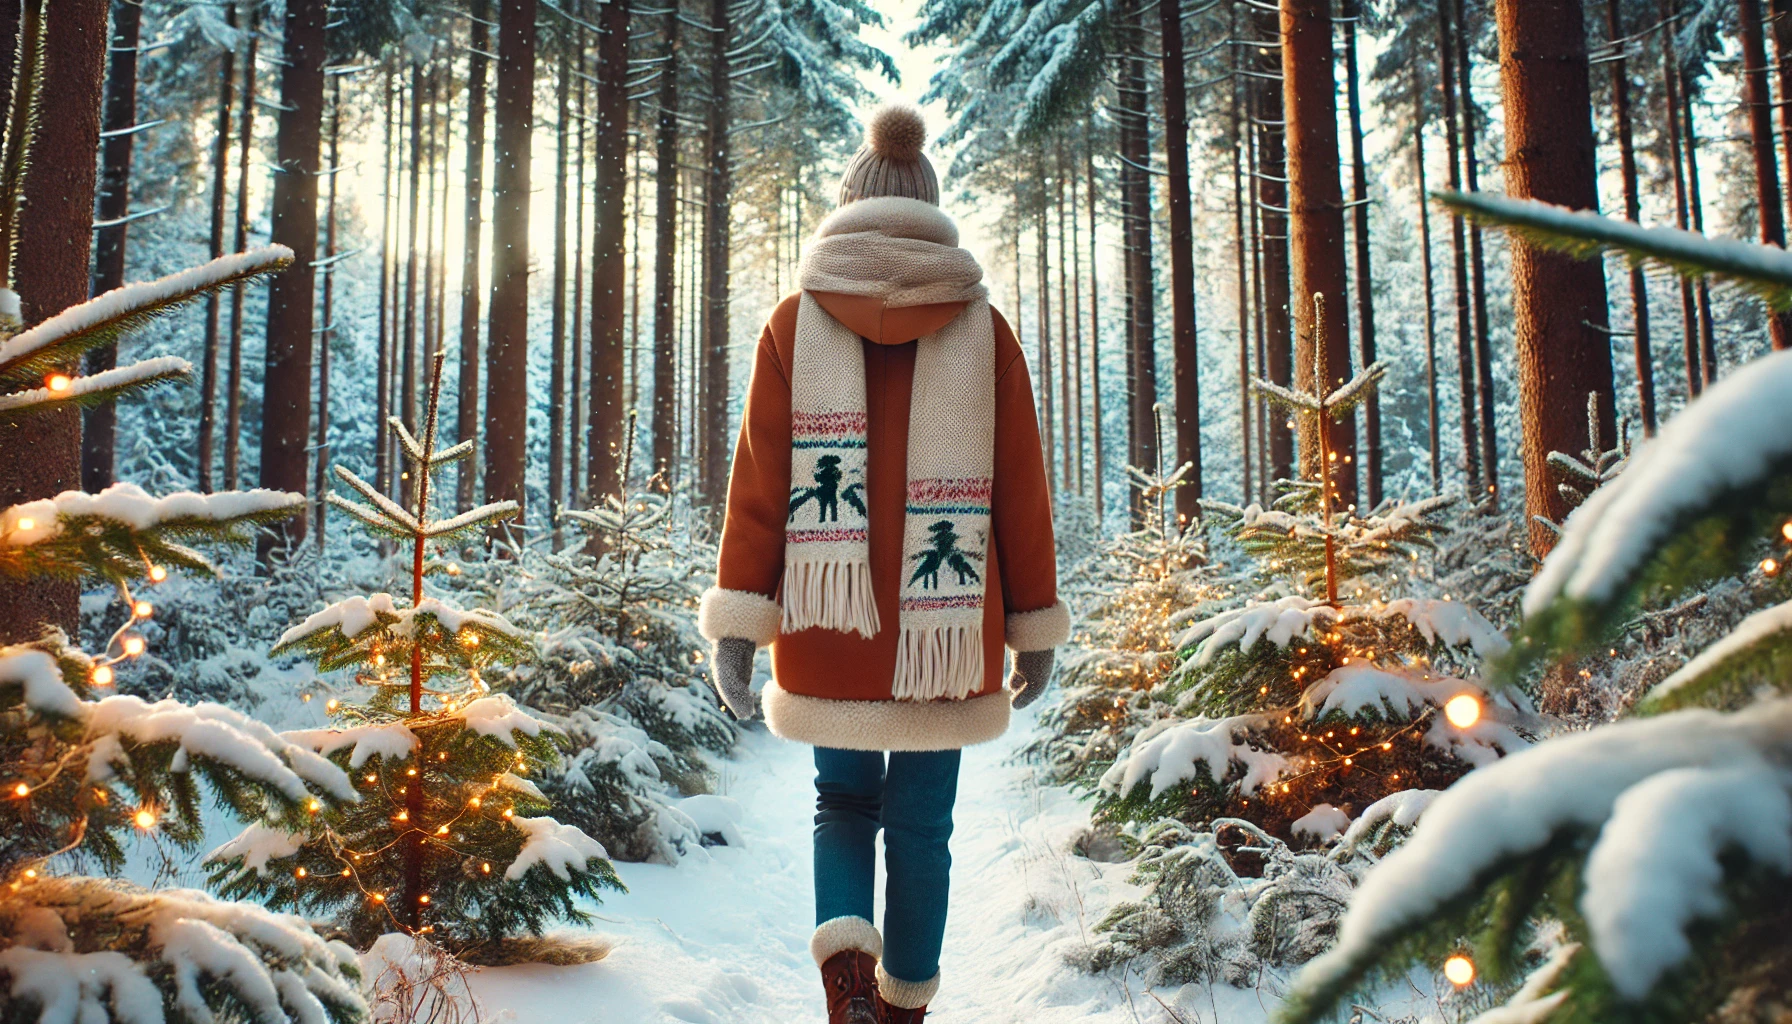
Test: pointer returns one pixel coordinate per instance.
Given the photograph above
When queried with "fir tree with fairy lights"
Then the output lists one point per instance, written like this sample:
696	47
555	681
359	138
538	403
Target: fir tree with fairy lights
449	838
1303	707
83	768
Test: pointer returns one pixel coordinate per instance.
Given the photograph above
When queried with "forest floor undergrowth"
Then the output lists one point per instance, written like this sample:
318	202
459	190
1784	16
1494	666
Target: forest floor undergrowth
723	937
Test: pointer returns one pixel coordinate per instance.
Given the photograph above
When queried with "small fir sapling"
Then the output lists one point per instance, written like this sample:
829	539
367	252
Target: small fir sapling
1581	474
1662	842
1306	701
620	668
449	838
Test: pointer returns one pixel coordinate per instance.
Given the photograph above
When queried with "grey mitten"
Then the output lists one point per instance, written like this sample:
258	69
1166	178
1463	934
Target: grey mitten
731	668
1032	671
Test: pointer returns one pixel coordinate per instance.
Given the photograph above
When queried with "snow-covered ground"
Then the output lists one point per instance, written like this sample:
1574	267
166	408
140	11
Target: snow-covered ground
724	938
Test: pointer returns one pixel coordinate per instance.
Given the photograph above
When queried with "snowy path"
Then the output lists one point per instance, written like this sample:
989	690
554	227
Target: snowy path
724	940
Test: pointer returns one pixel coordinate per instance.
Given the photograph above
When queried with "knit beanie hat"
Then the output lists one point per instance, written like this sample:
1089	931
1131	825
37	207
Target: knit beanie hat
891	163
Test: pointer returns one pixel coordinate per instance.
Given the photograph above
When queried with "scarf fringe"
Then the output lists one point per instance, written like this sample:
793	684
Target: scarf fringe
832	594
934	661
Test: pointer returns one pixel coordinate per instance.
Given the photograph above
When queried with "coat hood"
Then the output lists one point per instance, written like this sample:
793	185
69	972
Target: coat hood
890	269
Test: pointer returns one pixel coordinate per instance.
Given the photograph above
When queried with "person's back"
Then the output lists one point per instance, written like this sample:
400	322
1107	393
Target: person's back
888	531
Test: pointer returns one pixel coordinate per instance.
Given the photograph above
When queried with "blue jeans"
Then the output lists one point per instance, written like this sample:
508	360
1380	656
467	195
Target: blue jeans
912	802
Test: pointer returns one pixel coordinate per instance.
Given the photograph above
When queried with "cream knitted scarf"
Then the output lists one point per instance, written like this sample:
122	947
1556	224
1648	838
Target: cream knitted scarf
906	252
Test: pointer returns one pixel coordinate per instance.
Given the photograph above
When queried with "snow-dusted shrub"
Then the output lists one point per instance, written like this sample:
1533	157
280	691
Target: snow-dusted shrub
1200	921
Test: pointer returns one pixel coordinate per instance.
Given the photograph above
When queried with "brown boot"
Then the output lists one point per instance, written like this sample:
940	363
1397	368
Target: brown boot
888	1014
892	990
852	987
846	949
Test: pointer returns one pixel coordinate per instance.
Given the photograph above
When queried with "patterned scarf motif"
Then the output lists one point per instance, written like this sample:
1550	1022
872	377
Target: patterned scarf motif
950	468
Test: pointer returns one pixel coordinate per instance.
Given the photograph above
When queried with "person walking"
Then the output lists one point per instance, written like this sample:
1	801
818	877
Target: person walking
888	530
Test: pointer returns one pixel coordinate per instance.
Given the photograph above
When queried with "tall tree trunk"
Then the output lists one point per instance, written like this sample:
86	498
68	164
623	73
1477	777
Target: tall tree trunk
320	484
1316	205
1135	154
1365	279
1471	160
388	329
1689	314
1639	288
208	374
410	350
1558	300
1184	342
507	350
1418	165
1277	360
1242	259
557	304
609	255
1760	126
717	246
575	406
41	455
665	262
286	381
99	432
1707	329
466	412
1066	368
1465	340
1067	210
1094	323
11	11
233	372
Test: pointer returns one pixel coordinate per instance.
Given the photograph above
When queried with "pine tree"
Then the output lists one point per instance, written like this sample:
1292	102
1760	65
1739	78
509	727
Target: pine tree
82	769
448	838
1660	842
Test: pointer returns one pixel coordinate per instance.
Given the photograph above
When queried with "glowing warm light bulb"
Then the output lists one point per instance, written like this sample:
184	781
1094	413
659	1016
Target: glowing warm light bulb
473	802
332	704
27	523
485	869
145	819
58	381
372	777
468	638
404	815
300	873
508	812
423	898
312	805
102	675
1459	970
21	790
134	645
157	574
379	897
143	609
1463	710
410	771
1769	567
441	830
30	872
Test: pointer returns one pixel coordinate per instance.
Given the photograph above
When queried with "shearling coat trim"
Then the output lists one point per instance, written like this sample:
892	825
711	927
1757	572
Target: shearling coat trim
841	934
908	995
740	614
885	724
1038	630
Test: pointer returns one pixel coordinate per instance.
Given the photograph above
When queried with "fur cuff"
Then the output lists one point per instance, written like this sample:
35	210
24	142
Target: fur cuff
844	933
908	995
740	614
1039	630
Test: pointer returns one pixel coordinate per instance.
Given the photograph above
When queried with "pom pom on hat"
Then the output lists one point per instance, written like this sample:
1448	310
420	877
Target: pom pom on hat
897	132
890	163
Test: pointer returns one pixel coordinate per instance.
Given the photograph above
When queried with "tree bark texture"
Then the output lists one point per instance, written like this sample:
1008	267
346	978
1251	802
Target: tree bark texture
665	263
1471	141
507	350
1558	300
466	411
1316	230
1135	154
286	384
609	254
41	455
717	239
100	429
1639	288
1760	126
208	385
1277	359
1465	341
1184	341
1365	279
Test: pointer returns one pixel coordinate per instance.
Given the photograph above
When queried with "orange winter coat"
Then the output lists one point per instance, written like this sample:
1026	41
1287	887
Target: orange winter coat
833	688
